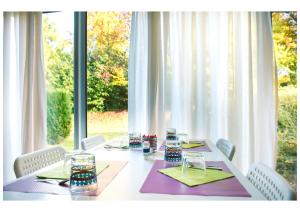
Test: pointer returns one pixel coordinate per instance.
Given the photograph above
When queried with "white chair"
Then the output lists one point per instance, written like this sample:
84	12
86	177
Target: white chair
270	183
31	162
92	142
226	147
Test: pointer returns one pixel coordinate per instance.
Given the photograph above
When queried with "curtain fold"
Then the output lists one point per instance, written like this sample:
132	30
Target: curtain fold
208	74
24	92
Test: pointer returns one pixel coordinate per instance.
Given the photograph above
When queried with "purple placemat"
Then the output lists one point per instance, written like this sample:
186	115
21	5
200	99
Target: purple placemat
29	185
199	149
159	183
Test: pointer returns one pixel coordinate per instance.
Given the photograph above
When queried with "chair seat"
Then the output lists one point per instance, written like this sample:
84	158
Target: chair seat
92	142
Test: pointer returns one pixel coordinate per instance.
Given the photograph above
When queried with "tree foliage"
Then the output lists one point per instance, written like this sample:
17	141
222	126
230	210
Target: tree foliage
108	40
59	80
284	26
58	115
107	60
285	44
58	59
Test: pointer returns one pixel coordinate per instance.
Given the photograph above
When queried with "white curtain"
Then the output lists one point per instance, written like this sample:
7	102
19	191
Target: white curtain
207	74
24	97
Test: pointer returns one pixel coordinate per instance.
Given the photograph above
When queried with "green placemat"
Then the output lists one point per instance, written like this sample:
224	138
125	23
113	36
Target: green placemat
194	177
189	146
58	172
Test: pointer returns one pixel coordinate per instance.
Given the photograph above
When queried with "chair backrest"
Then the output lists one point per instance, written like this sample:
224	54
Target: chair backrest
31	162
270	183
92	142
226	147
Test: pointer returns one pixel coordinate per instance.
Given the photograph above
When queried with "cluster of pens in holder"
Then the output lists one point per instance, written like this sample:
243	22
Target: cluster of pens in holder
173	149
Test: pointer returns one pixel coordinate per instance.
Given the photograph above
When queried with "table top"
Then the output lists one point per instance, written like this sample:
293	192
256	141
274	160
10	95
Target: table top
128	182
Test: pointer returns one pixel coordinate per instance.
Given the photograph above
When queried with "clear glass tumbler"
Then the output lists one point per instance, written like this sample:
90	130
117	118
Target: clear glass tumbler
195	160
135	141
152	139
183	137
146	148
83	179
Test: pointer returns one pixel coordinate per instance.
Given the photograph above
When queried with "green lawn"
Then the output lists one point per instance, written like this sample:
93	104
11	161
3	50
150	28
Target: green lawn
111	125
287	134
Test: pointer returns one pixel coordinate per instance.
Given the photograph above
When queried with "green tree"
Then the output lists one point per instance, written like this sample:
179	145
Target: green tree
107	78
58	115
98	84
59	80
58	59
285	43
108	42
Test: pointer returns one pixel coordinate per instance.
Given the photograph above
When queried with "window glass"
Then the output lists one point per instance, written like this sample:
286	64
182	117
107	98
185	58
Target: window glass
58	57
107	78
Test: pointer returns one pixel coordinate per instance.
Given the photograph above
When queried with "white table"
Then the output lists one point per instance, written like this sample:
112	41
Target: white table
128	182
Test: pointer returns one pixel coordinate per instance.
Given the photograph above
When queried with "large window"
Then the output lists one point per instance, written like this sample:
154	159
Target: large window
285	44
107	78
58	55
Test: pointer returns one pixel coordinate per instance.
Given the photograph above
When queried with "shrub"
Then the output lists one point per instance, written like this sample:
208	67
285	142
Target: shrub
58	116
287	131
117	99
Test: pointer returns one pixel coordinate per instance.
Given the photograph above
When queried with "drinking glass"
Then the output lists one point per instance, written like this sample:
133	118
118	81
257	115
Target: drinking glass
83	179
146	148
193	159
183	137
135	140
152	139
173	150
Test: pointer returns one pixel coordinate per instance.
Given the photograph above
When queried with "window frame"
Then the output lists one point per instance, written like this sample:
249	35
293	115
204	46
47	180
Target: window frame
80	77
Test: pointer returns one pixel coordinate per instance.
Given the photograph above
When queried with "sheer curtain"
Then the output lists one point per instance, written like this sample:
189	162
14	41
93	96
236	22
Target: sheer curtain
24	97
210	75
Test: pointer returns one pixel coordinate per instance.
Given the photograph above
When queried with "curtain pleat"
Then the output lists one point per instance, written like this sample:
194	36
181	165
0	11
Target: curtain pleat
24	87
